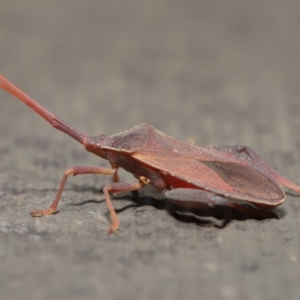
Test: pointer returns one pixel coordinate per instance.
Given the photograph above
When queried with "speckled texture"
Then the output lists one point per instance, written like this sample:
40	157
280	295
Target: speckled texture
209	72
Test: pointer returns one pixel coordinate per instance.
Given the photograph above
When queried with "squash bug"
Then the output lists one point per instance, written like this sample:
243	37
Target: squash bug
188	175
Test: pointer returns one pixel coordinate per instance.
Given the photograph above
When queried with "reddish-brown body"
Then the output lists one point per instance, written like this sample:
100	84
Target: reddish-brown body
187	174
170	163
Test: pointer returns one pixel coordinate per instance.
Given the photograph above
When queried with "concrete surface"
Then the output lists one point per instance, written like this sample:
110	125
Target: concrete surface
212	72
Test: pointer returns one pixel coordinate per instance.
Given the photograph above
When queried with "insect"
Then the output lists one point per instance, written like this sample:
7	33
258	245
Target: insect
188	175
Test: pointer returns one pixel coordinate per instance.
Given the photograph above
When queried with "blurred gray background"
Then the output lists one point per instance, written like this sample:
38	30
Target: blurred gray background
210	72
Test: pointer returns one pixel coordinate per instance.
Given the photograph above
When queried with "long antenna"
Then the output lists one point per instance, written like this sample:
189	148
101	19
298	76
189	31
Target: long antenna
55	121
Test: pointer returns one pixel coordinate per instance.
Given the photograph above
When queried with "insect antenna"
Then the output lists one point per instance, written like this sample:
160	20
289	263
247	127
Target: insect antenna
55	121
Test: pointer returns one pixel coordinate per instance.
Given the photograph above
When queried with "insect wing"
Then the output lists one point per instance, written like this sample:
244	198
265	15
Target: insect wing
209	169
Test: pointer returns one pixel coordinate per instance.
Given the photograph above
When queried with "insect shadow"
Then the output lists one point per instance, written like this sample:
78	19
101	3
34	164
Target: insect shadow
209	216
218	217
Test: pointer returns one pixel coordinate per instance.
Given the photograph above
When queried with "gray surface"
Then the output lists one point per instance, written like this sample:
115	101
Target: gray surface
212	72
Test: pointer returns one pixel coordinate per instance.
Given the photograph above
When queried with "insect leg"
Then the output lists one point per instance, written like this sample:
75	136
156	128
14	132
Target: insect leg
257	159
115	177
116	188
71	171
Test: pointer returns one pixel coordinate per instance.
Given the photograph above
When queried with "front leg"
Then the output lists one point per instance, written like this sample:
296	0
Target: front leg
115	187
71	171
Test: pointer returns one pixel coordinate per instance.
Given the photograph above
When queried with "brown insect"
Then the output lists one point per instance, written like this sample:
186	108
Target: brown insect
188	175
